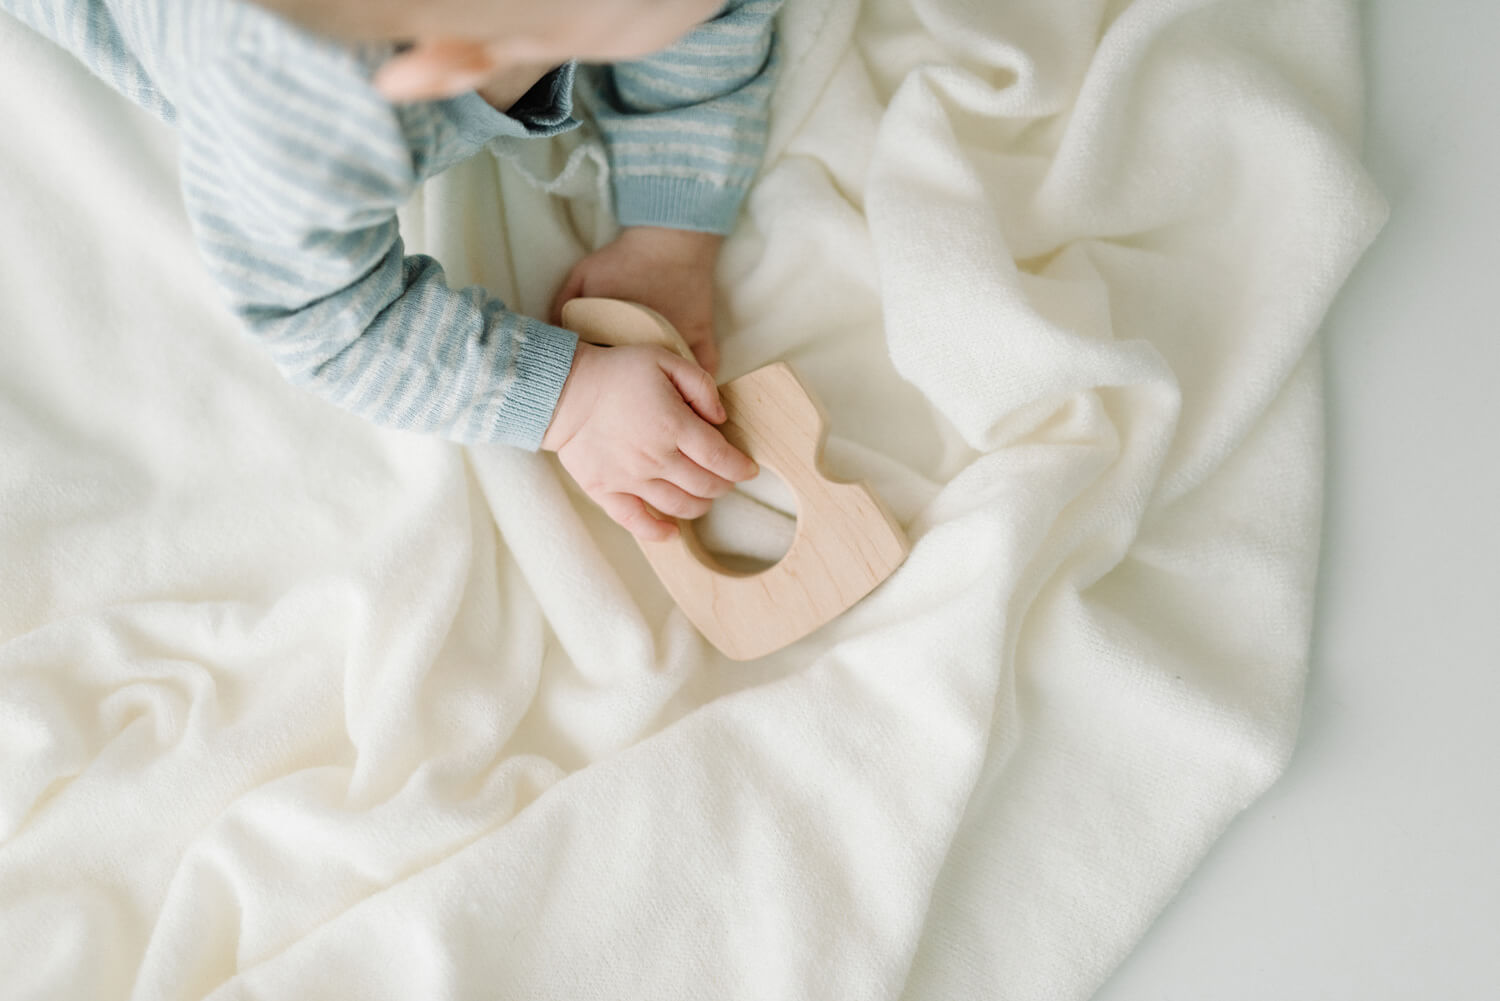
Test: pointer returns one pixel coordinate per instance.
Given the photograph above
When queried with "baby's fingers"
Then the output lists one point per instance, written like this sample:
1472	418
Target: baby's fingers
695	386
669	498
707	353
693	478
632	514
707	447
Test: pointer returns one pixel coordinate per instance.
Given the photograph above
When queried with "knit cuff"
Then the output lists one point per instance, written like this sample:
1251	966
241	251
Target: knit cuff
543	359
677	203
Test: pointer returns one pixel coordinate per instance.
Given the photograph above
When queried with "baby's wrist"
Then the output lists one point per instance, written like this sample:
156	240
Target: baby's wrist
687	244
575	400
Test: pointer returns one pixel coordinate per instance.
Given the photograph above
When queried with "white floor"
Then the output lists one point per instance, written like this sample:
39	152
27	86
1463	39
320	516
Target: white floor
1372	870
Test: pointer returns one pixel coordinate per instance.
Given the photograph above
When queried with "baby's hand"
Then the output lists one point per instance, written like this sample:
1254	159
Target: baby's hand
632	427
670	270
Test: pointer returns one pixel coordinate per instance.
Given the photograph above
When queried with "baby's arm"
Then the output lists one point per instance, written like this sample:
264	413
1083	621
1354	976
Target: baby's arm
685	131
685	128
292	181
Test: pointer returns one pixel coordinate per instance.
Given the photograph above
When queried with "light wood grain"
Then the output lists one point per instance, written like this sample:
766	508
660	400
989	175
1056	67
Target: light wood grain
846	540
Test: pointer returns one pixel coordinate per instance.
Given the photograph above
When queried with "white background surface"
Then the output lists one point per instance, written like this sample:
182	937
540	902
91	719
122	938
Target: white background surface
1371	871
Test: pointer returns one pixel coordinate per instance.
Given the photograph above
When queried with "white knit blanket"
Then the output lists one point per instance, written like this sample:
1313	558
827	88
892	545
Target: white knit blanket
295	708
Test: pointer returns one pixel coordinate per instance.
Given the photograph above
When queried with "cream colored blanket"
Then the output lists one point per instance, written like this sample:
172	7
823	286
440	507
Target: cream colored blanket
295	708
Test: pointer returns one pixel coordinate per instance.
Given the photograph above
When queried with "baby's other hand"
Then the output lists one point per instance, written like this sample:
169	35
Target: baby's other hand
634	426
670	270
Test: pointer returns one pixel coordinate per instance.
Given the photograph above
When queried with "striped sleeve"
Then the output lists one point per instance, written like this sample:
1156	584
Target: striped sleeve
685	129
89	29
293	168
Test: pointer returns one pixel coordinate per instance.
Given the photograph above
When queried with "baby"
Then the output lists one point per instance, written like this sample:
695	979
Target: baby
306	124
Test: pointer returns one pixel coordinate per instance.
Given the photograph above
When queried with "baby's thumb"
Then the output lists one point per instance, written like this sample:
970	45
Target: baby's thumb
696	387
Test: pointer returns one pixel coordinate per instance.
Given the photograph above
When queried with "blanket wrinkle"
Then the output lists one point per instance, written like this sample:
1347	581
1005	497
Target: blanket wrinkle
288	701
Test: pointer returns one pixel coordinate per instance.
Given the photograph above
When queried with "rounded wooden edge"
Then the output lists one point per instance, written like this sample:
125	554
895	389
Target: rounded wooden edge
617	323
614	322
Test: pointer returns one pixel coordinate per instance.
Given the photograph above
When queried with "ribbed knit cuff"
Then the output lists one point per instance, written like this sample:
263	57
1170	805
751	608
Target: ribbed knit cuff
677	203
544	357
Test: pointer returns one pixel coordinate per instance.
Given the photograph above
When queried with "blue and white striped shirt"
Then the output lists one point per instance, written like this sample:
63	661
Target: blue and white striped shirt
293	167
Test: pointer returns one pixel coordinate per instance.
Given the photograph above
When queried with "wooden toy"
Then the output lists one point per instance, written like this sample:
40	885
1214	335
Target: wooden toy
846	541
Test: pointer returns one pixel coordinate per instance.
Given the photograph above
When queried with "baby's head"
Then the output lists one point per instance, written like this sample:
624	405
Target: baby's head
452	45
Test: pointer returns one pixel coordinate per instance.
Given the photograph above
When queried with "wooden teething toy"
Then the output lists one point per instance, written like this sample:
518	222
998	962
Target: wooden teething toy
846	541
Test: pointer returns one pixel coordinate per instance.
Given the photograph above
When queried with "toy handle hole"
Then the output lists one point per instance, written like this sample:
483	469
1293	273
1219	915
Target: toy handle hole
751	528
